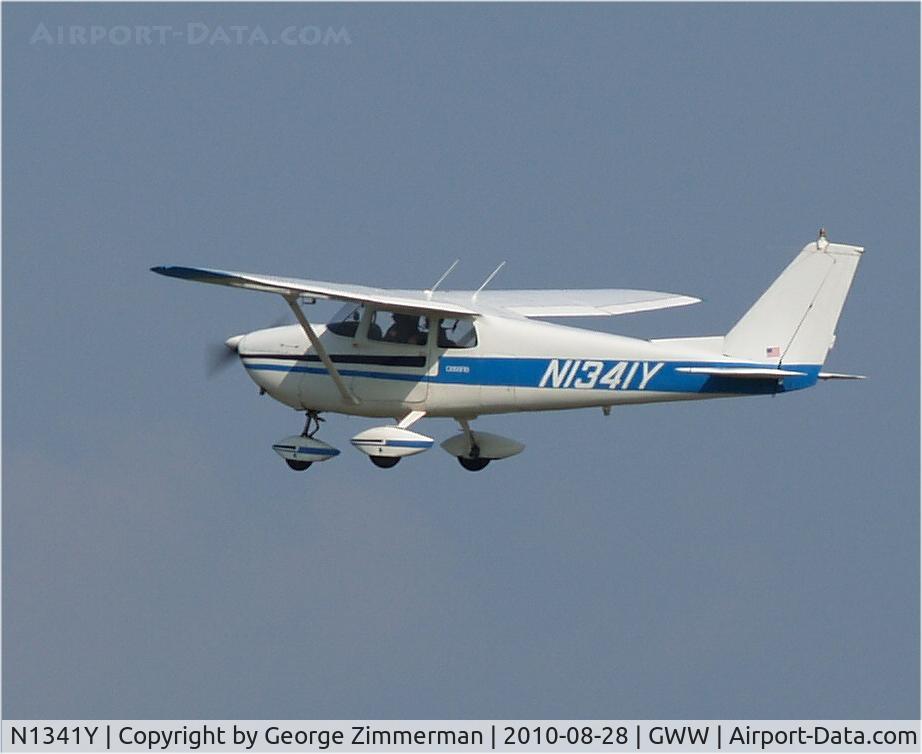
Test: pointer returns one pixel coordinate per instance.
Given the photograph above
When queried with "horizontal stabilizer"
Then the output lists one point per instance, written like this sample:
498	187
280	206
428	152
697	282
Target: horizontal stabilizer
743	373
837	376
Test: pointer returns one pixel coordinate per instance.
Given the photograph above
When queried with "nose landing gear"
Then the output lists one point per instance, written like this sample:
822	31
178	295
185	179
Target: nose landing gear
312	416
301	451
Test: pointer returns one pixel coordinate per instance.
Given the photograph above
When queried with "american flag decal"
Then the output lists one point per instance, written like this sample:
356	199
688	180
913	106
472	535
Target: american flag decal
773	351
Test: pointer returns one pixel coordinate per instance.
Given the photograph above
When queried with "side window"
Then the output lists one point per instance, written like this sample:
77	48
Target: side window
457	333
394	327
346	321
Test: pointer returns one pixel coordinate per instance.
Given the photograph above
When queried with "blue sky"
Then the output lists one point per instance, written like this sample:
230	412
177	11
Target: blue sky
721	559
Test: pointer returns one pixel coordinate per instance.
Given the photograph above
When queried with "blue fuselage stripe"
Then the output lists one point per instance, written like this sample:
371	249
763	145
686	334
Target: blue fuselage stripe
576	374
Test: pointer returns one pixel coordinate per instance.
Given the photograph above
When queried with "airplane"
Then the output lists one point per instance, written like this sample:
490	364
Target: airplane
406	355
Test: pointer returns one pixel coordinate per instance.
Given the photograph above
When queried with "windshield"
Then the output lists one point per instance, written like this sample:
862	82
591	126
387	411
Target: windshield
346	321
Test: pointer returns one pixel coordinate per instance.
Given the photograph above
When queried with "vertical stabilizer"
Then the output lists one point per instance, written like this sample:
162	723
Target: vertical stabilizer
794	321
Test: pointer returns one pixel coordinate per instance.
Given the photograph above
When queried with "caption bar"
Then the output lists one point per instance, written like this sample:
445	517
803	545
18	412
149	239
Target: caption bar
459	735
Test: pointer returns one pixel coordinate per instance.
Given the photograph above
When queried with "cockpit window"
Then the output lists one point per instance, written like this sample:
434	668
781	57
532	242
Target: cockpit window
346	321
457	333
395	327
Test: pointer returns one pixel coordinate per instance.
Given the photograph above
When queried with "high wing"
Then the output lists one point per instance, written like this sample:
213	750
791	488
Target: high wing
519	303
396	300
598	302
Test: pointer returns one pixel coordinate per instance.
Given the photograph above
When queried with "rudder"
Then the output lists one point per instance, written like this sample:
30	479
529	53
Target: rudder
794	321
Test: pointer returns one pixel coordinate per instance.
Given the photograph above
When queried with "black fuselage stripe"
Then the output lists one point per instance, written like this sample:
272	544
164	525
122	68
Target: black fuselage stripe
344	358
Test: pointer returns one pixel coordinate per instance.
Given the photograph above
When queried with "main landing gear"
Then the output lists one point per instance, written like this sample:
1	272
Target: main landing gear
385	446
475	450
473	461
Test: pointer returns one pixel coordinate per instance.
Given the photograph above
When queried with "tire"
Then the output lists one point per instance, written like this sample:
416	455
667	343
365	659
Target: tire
473	464
298	465
384	462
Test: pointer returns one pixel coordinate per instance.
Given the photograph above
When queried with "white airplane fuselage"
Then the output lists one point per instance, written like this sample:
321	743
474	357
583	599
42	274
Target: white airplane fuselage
516	365
409	354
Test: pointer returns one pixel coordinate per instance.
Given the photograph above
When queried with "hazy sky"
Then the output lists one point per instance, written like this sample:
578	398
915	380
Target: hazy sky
720	559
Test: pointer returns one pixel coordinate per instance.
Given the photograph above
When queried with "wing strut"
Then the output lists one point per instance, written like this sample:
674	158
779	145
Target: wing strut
341	385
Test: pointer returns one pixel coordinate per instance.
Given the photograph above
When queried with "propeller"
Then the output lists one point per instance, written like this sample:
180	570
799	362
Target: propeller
219	356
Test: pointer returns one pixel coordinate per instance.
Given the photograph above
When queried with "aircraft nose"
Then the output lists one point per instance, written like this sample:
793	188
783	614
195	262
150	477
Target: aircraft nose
234	341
